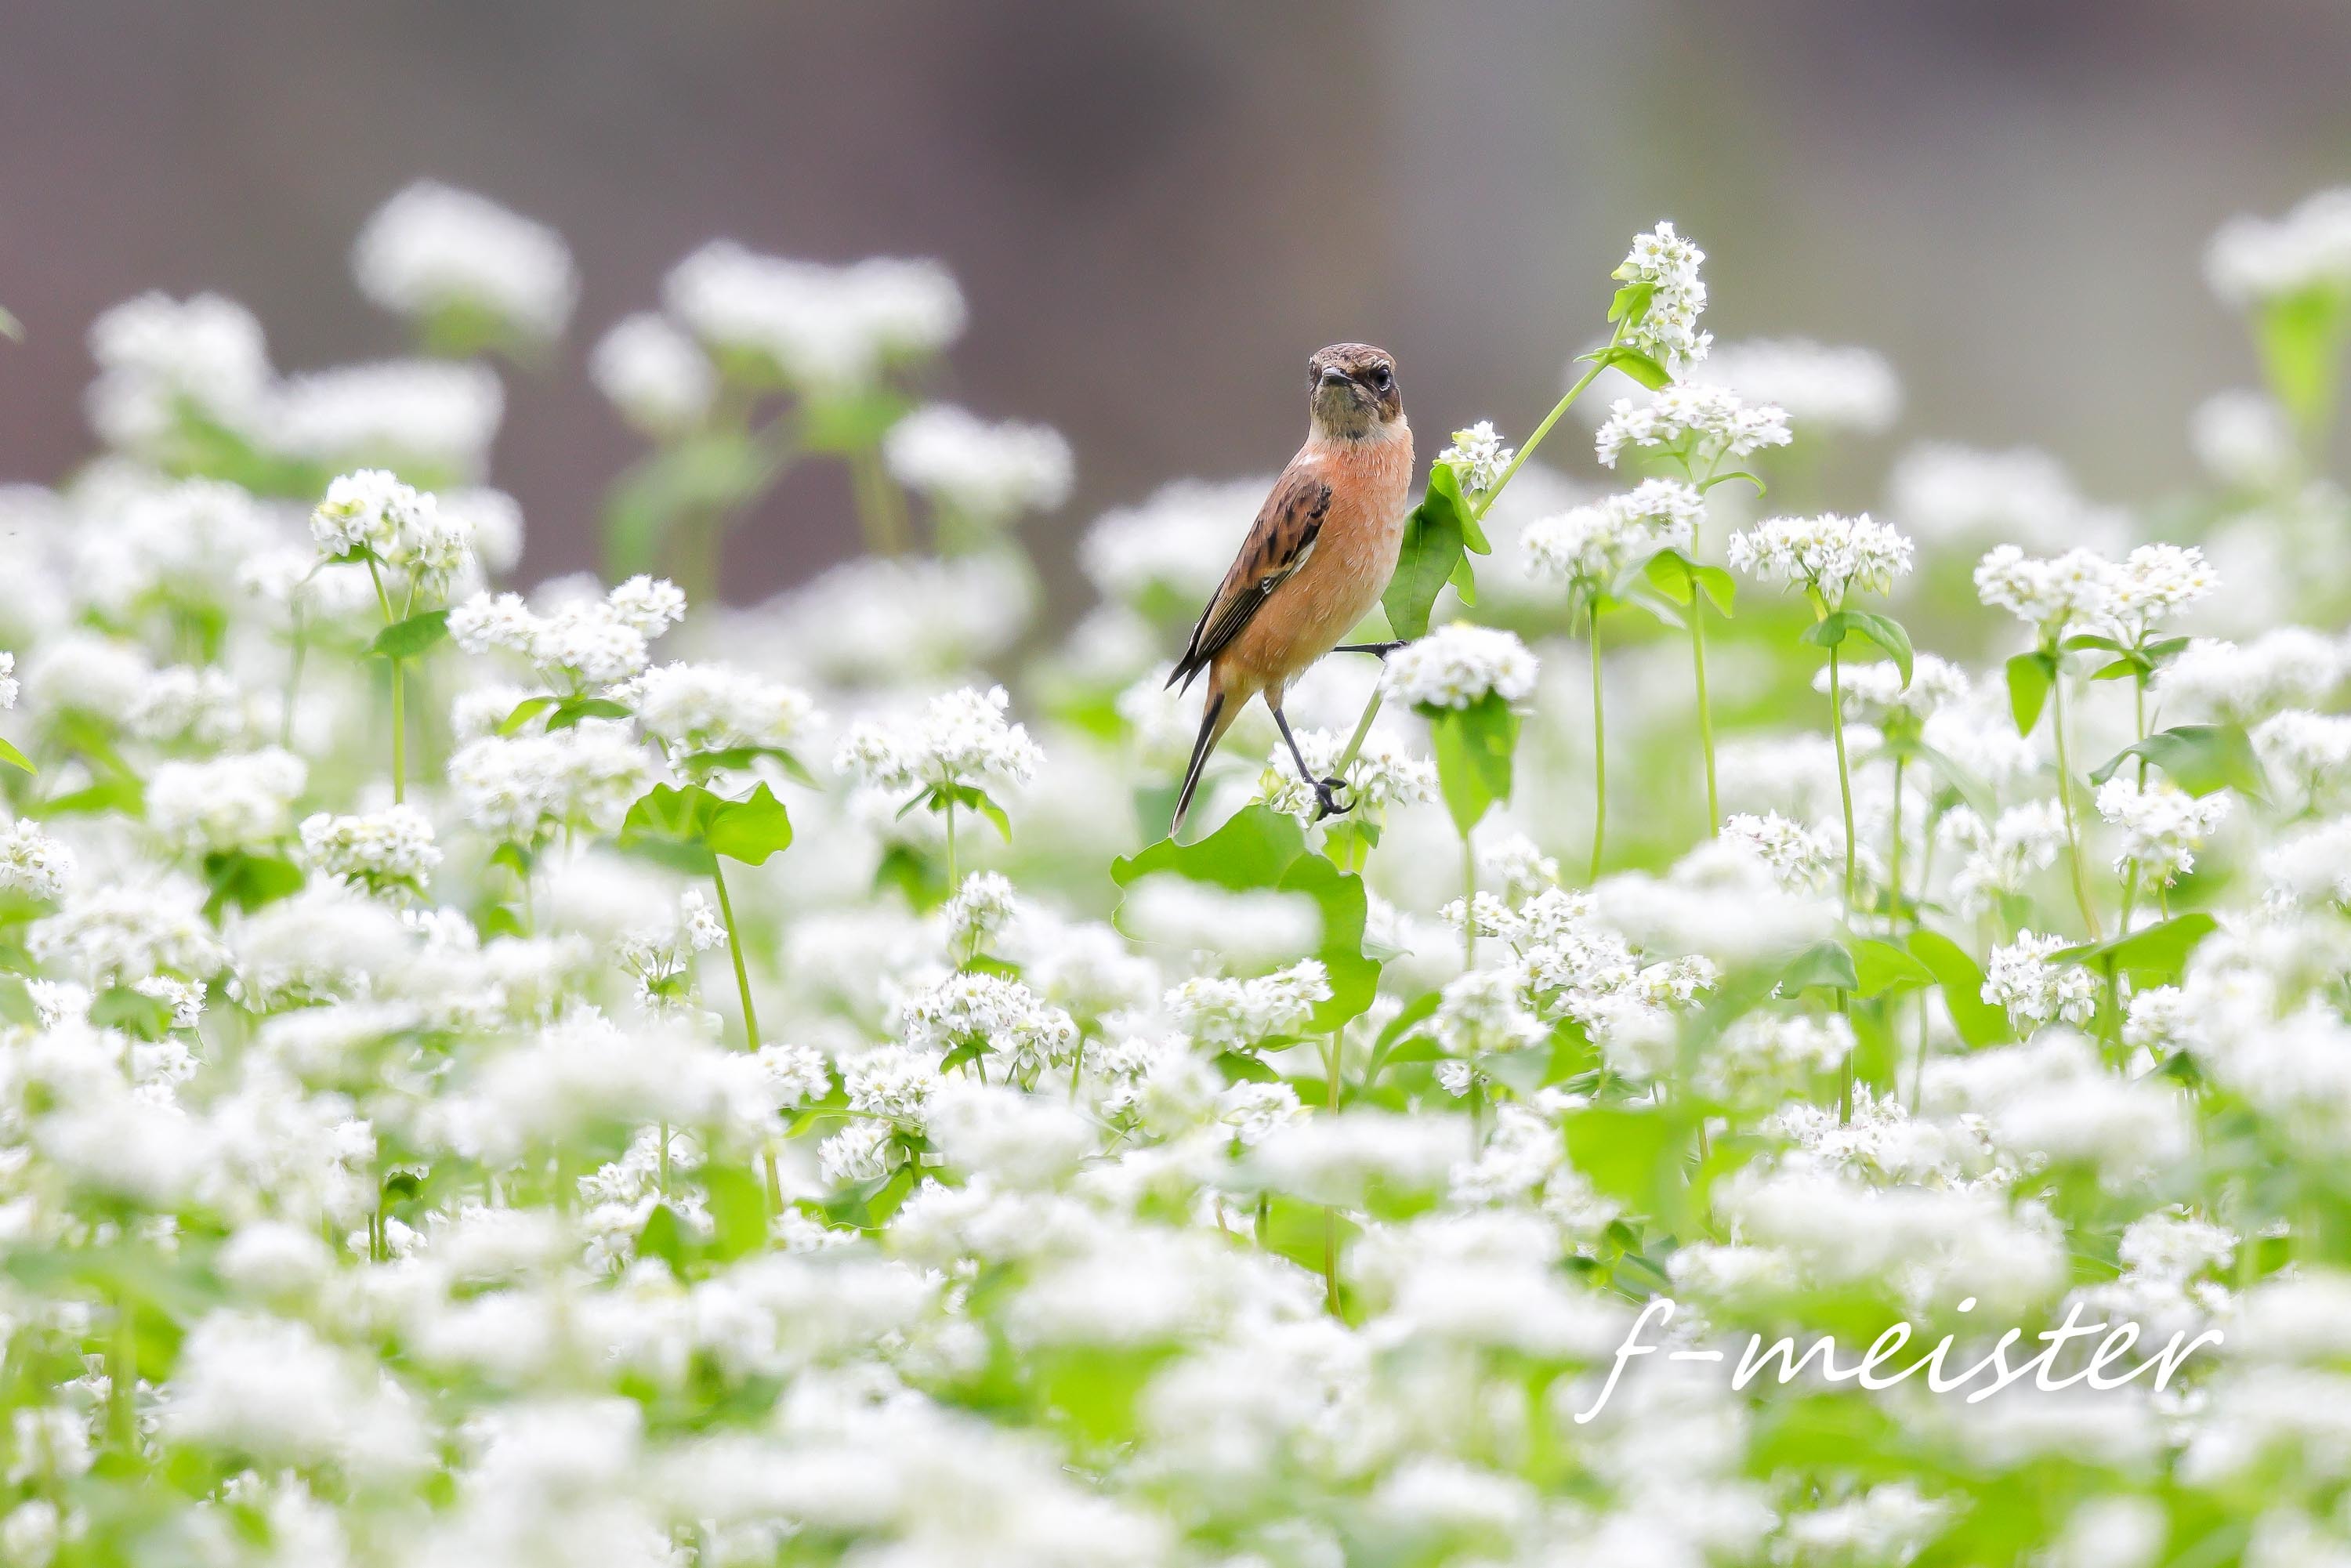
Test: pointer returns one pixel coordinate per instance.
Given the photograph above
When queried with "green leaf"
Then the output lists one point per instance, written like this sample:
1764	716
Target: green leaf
1631	1153
749	831
738	1210
1833	629
571	710
1977	1021
1681	580
673	824
1825	964
1261	848
2030	677
14	758
2153	954
2200	757
249	880
2300	342
710	473
524	712
514	857
663	1237
1634	363
850	422
122	794
1474	747
738	758
133	1012
1881	967
1632	301
1436	536
406	639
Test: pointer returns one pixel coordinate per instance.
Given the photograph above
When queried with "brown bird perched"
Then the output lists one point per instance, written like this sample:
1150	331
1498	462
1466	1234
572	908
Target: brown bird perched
1318	558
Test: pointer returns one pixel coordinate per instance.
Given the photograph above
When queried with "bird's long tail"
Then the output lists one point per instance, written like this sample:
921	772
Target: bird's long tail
1213	724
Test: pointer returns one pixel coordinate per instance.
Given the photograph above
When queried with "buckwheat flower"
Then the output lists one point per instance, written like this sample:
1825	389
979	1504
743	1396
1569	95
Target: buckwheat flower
492	523
272	1389
1459	665
185	998
2291	666
123	930
1168	553
1244	1015
860	1152
31	862
892	1081
1337	1160
1800	858
432	249
1875	693
404	529
827	328
980	913
436	412
2002	858
1955	496
2162	824
1478	456
1590	547
2019	978
2244	439
2258	261
1830	554
988	1013
654	374
225	802
1820	387
982	473
10	688
522	787
647	606
714	707
1252	929
1890	1523
2155	581
156	354
1382	774
1703	425
1667	329
1485	1012
960	738
380	851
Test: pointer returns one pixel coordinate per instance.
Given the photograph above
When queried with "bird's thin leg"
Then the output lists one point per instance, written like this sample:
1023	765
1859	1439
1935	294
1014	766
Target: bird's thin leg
1326	798
1382	649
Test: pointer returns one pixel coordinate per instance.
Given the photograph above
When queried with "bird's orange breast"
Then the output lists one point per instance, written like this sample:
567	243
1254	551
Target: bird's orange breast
1354	556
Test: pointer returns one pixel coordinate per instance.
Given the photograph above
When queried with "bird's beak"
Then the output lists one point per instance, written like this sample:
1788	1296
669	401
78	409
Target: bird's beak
1332	373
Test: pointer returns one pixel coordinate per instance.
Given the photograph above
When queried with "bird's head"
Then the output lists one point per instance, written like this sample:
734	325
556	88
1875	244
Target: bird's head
1353	390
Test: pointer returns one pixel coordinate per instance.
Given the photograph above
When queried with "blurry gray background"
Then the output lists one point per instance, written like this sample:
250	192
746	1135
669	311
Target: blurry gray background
1158	209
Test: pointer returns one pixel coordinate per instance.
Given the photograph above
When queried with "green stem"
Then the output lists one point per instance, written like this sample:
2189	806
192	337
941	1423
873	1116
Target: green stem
881	509
123	1379
1599	756
1469	906
1844	773
1704	714
293	683
1363	733
1894	857
735	949
399	736
2065	799
954	881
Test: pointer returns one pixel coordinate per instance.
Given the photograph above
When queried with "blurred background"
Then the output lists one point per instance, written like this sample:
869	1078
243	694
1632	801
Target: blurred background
1156	210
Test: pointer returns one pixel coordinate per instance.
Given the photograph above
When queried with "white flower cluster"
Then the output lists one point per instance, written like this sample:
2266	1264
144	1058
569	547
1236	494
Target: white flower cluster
433	248
1818	386
716	707
653	373
1702	425
378	851
1478	456
371	511
2162	825
2258	261
1592	545
2081	592
2021	977
960	738
1666	327
600	641
1459	665
986	473
1829	554
826	329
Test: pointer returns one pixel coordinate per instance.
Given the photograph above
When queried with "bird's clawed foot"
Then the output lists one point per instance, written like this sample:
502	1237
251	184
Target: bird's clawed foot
1326	798
1382	649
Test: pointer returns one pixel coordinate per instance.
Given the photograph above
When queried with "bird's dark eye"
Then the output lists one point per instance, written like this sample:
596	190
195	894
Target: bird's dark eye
1382	377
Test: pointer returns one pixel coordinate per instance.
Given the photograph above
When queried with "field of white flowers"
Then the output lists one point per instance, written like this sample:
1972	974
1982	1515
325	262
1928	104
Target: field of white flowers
593	1076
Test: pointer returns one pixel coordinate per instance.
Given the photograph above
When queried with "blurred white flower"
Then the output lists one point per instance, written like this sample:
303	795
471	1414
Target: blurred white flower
432	249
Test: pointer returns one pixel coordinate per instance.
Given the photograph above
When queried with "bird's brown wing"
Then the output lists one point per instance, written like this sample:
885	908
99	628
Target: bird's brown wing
1277	545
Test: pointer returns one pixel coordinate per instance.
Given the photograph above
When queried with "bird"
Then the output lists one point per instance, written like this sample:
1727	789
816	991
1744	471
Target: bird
1318	558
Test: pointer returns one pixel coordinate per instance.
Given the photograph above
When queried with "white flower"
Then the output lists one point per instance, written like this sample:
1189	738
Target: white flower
821	327
1252	929
390	848
1700	424
432	249
156	353
434	412
1830	554
2162	824
2244	439
1799	857
1459	665
2290	666
1168	554
1476	456
230	800
522	787
1383	774
961	738
2002	858
987	474
1820	387
2255	261
714	707
1666	330
653	373
1591	546
2306	753
2020	978
31	862
1243	1015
